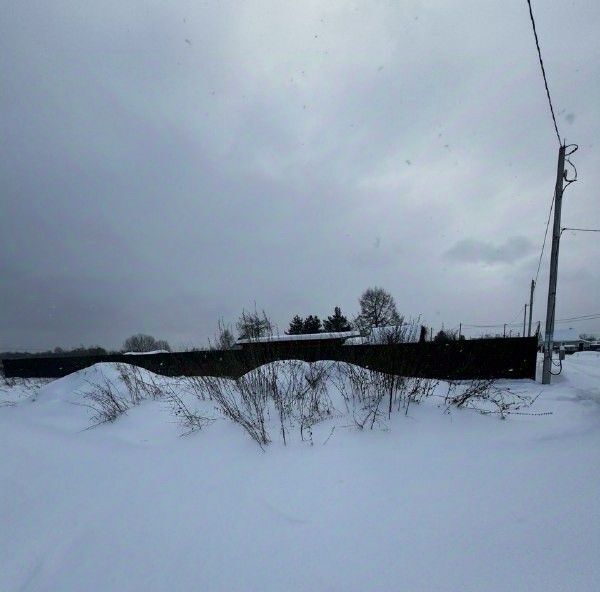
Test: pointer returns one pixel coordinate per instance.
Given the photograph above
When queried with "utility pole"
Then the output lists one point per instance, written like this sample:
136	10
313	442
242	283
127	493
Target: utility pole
504	332
459	329
524	319
551	306
531	306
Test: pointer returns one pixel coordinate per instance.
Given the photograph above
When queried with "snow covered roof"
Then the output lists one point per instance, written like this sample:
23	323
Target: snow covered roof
386	334
305	337
156	351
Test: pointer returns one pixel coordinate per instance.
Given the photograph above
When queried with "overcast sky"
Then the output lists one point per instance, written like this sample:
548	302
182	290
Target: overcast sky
165	164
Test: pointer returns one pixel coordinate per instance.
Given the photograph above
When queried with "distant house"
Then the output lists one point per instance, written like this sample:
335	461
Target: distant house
570	340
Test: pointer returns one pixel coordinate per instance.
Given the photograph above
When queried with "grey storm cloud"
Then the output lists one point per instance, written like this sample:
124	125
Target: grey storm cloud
474	251
165	165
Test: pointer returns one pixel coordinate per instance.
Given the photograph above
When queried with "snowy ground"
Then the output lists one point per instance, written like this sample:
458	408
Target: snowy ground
434	501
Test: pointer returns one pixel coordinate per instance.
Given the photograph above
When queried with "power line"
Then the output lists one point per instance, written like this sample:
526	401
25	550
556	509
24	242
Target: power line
579	229
544	243
586	317
512	323
492	326
537	44
594	315
577	320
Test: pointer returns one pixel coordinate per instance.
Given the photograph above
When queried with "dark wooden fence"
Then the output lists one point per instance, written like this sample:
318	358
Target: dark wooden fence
465	359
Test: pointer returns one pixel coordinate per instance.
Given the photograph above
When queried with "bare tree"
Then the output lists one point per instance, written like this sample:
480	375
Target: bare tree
224	338
377	309
254	325
144	343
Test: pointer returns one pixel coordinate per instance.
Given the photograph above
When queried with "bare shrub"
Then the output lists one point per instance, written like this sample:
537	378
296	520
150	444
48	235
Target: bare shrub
423	388
190	420
311	402
474	390
105	401
279	380
243	401
297	394
21	387
141	384
130	377
363	391
507	402
450	392
486	397
195	385
416	390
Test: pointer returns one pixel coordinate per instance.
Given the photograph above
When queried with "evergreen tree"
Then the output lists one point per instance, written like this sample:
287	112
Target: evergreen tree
296	326
312	324
441	337
337	322
445	336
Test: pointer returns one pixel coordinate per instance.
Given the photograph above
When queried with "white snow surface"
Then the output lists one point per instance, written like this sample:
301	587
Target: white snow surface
148	353
432	502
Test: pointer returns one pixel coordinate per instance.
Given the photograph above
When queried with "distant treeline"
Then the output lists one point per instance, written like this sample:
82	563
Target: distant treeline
59	352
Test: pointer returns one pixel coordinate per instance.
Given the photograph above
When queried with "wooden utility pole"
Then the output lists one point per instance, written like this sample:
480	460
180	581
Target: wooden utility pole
524	319
530	306
551	306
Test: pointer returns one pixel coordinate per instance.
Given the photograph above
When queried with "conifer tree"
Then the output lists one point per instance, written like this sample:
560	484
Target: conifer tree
337	322
296	326
312	324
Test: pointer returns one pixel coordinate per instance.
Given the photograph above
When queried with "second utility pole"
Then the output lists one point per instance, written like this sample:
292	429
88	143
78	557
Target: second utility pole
530	306
551	306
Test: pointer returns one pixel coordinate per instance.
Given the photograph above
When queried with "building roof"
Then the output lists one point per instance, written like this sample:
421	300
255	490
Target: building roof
305	337
404	333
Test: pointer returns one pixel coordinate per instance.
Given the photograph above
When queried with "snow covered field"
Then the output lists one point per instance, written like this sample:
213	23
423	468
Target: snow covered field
431	501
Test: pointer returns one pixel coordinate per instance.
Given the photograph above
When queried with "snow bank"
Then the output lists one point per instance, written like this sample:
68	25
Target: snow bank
452	502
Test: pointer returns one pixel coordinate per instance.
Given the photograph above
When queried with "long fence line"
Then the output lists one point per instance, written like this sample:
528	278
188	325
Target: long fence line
463	359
